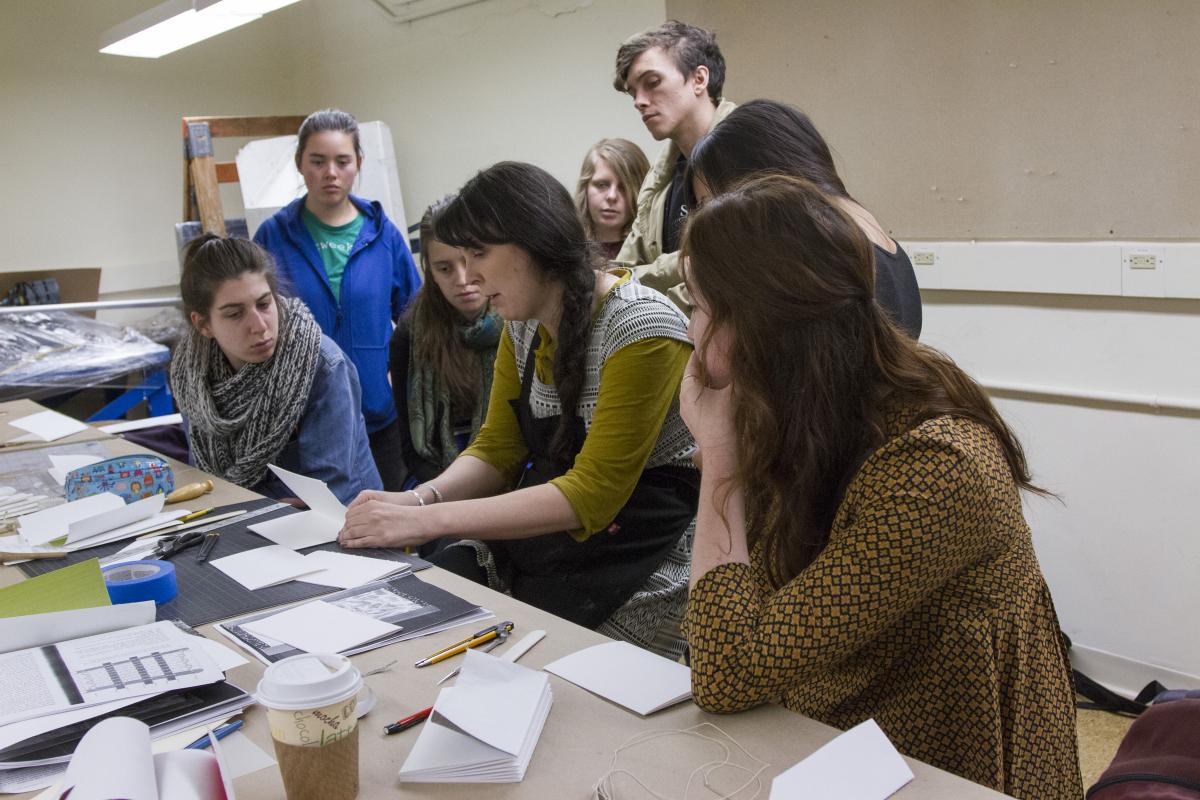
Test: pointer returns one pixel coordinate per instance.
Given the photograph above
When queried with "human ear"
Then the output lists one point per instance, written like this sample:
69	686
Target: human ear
200	324
700	80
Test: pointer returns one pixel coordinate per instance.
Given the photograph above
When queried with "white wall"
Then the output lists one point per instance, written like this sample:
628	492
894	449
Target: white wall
526	80
1120	551
91	144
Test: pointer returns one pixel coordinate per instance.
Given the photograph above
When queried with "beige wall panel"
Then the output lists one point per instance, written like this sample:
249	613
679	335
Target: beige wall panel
989	119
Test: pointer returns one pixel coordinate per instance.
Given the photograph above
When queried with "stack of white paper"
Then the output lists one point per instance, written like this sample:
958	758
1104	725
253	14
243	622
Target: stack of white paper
319	627
484	728
95	520
630	676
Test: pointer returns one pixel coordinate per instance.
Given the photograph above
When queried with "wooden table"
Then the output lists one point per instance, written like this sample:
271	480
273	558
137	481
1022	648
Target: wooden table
581	733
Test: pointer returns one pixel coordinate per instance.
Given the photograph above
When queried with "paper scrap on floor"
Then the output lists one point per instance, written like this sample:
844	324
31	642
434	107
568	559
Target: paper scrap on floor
346	571
319	525
319	627
484	728
860	764
133	662
627	675
47	426
264	566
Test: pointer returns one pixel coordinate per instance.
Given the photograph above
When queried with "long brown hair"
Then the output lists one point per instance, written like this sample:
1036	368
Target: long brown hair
439	347
629	164
815	363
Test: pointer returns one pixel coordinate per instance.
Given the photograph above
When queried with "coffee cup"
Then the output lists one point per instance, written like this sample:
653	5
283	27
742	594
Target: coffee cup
312	709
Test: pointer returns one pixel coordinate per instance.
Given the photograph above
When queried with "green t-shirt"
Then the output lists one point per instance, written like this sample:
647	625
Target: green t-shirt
334	245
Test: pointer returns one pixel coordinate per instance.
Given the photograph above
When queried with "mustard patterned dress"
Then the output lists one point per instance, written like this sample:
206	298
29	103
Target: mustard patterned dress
927	611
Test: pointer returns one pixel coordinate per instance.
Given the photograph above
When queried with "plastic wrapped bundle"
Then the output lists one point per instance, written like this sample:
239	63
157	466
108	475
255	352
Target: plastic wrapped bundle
48	352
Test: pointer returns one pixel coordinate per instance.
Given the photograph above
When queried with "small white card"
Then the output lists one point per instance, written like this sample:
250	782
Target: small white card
319	627
346	571
47	426
264	566
319	525
627	675
861	764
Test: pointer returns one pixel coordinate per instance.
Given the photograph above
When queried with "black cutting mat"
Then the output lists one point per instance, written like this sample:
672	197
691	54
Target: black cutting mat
205	593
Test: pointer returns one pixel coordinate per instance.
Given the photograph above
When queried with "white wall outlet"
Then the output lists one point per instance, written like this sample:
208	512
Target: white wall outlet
1142	269
923	258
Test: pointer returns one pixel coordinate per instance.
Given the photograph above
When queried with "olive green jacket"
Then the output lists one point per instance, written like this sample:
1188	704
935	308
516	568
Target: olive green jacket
642	252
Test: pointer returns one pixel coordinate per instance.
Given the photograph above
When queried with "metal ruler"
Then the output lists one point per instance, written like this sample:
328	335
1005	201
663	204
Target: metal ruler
146	546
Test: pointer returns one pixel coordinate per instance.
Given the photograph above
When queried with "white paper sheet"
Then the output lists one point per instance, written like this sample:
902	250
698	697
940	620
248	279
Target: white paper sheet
44	526
48	426
298	531
861	764
264	566
125	516
314	493
627	675
30	779
346	571
62	464
35	630
138	424
319	627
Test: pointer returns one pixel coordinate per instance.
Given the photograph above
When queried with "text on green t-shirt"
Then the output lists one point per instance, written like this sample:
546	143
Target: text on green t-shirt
334	243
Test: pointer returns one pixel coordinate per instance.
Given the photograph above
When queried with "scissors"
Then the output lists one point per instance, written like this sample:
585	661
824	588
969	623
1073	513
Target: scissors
171	545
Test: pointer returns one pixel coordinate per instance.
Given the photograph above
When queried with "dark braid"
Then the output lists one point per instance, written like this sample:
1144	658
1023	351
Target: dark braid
523	205
570	359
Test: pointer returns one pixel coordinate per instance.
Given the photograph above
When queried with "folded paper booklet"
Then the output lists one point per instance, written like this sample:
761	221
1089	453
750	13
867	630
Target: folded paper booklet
860	764
318	525
484	728
177	775
627	675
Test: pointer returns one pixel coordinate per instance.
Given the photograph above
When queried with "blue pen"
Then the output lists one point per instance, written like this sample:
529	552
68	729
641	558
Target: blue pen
220	733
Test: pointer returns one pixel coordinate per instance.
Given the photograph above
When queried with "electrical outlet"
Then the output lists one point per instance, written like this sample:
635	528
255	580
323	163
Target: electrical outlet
1143	261
923	258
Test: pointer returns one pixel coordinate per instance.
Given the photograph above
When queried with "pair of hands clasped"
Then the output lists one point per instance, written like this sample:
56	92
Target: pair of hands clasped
384	519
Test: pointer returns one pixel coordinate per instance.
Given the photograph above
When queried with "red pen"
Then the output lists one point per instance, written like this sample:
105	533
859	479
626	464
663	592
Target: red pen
408	722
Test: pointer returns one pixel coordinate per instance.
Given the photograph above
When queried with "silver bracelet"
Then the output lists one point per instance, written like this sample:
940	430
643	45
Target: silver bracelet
437	496
415	494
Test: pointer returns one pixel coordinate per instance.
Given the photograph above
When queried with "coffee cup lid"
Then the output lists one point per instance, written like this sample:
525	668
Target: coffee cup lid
309	680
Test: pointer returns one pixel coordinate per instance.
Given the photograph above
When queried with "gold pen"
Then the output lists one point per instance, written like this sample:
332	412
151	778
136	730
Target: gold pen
484	636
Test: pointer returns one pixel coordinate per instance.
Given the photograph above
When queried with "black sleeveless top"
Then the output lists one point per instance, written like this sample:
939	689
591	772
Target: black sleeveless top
896	289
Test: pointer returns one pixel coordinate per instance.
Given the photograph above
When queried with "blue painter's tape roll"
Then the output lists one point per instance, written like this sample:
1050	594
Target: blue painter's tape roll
135	581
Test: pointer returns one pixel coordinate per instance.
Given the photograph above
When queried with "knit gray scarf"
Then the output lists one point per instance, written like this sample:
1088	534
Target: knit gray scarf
239	422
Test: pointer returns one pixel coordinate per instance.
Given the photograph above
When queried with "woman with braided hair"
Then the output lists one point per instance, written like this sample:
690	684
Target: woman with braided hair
579	493
257	381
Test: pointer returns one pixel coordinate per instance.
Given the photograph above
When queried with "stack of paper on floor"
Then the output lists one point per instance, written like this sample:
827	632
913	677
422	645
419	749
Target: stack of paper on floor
95	520
627	675
484	728
318	525
860	764
179	775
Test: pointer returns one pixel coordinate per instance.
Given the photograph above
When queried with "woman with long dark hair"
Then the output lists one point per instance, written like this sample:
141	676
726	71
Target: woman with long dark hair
441	359
257	381
860	547
763	136
583	421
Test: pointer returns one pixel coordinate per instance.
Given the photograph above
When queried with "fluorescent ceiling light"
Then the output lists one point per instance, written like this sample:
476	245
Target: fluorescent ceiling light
176	24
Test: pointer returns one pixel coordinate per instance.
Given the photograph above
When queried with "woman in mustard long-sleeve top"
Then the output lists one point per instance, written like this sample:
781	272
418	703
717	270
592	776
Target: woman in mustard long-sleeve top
860	548
579	491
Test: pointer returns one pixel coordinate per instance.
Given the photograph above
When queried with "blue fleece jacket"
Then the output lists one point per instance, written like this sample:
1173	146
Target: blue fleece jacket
379	280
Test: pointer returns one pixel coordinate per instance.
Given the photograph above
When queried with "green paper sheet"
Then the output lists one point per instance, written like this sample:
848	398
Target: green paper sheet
77	586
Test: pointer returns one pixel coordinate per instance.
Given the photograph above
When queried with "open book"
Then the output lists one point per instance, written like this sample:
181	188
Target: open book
484	728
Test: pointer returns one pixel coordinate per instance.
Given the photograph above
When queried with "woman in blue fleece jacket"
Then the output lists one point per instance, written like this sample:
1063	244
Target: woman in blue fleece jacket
350	265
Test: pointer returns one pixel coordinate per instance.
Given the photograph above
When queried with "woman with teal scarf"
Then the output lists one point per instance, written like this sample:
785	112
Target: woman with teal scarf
441	360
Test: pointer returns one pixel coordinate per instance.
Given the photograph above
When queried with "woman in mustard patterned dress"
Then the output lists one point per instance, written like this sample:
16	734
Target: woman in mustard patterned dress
860	549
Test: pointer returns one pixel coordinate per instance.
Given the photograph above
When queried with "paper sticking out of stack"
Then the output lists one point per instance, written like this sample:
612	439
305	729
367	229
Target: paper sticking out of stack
95	520
627	675
860	764
484	728
178	775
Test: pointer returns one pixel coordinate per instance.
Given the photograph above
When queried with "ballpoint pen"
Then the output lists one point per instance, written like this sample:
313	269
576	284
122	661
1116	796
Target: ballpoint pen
220	733
482	637
195	515
210	541
408	722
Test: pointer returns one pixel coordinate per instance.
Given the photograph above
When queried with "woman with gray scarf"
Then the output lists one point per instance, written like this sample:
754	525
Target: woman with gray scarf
258	383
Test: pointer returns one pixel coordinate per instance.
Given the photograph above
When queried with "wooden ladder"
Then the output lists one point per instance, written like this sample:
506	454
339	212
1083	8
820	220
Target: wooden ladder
202	174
